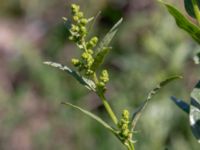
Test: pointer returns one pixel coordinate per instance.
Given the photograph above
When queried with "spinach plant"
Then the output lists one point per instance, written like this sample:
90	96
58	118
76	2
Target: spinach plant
87	72
192	7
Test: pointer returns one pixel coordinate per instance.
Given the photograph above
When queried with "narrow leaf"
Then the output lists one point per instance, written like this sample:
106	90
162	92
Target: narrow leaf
93	20
181	104
137	114
109	36
91	115
189	7
183	22
84	81
195	111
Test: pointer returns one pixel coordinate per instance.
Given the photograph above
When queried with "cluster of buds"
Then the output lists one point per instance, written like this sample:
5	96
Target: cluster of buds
85	63
87	59
78	29
78	33
123	125
104	78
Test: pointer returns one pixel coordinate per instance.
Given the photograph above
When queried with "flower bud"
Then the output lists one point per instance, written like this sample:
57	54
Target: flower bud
94	40
124	126
83	30
75	8
104	76
84	21
85	55
75	62
90	51
75	18
125	132
80	15
125	114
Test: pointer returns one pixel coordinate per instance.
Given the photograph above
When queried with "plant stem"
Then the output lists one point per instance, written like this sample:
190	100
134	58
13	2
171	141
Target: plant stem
108	108
131	146
196	10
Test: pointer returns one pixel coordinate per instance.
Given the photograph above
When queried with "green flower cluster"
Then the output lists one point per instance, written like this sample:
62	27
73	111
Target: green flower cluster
86	63
104	78
123	125
78	33
78	29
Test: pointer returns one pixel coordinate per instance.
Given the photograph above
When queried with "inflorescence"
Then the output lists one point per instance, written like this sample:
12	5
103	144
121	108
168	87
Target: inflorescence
78	33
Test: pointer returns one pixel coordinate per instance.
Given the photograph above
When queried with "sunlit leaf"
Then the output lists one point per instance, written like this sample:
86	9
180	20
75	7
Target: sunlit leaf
183	22
91	115
84	81
137	114
195	111
181	104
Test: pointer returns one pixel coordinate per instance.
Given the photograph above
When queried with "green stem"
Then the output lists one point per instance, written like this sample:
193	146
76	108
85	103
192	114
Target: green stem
196	10
131	146
108	108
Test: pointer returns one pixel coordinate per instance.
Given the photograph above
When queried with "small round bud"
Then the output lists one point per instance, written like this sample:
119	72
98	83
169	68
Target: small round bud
104	76
74	28
75	8
90	51
75	18
125	114
75	62
125	132
85	55
124	126
94	40
84	21
83	30
80	14
123	121
101	84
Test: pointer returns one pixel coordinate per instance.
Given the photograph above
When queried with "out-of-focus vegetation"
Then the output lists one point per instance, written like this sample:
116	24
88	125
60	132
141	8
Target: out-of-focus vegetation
147	48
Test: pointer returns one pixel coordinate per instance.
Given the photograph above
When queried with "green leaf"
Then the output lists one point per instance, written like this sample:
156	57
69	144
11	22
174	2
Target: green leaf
189	7
91	115
183	22
93	20
84	81
109	36
103	49
181	104
195	111
137	114
99	58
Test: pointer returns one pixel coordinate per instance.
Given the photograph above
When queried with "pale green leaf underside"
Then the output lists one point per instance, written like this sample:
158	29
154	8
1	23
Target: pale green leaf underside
183	22
84	81
91	115
138	112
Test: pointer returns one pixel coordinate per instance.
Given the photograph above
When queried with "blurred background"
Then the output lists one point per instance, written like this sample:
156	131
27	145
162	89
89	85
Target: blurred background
148	47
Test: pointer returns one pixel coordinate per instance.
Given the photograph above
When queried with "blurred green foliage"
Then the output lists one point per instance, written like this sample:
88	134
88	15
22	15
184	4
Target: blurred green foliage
147	48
